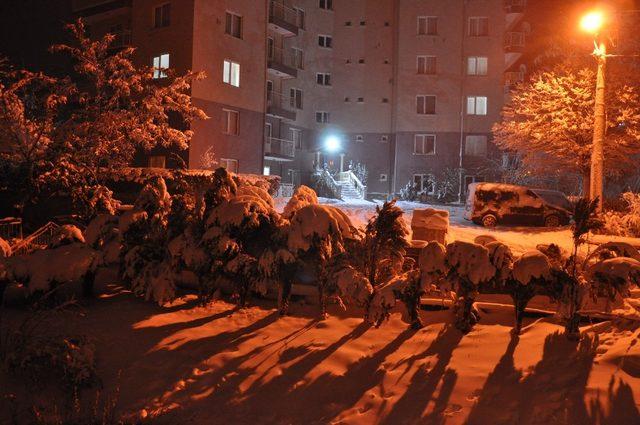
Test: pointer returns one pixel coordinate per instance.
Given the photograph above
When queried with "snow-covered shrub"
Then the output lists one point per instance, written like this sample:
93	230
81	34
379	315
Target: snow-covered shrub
432	264
278	266
315	234
531	272
501	257
302	197
405	287
65	235
484	239
614	276
102	234
5	249
624	223
469	266
93	200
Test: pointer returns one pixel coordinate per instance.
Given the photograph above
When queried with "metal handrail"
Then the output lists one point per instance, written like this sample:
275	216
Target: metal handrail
40	238
279	55
350	177
279	100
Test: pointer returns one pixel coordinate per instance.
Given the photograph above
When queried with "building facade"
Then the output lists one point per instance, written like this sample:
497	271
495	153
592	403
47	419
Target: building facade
409	89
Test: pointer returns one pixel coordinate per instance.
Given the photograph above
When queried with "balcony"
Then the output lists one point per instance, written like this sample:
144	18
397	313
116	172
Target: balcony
512	78
122	40
514	42
279	105
92	8
283	19
515	6
282	65
279	149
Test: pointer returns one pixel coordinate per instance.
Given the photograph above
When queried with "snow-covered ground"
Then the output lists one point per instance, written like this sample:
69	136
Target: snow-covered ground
213	365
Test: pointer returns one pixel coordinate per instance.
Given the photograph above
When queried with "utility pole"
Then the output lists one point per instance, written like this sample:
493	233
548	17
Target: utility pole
599	128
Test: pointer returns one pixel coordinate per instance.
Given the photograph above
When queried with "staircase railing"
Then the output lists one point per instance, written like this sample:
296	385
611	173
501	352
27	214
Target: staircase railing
37	240
350	178
326	177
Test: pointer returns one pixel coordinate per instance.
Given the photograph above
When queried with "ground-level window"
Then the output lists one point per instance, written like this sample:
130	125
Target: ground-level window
423	183
230	122
230	164
424	144
157	161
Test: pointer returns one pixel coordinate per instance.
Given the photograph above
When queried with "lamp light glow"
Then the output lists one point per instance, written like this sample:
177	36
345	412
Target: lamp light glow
332	143
592	22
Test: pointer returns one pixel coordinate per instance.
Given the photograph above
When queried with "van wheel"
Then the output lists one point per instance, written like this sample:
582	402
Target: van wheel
552	221
489	220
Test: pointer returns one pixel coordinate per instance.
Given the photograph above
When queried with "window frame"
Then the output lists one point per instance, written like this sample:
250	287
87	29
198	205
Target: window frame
229	24
426	58
427	19
477	60
165	18
325	117
476	137
423	139
474	27
325	4
323	79
160	72
425	96
328	41
472	105
227	114
228	67
224	163
296	98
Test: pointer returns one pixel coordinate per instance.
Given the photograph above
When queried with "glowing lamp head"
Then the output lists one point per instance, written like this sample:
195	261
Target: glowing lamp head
592	22
332	143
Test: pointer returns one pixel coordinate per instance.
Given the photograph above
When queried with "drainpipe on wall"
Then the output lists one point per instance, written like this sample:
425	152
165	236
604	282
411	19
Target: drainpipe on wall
462	100
394	93
264	90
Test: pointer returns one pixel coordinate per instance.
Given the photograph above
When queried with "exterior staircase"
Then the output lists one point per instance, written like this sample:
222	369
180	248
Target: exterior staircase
348	191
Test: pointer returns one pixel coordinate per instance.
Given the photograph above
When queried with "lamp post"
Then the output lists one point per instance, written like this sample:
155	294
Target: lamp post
593	23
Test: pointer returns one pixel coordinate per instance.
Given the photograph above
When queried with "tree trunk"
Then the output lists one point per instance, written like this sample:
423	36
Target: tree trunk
284	295
586	183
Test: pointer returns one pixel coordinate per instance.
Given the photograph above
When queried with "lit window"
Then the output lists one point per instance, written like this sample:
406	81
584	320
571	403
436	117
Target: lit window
157	161
475	145
323	78
266	170
325	4
325	41
322	117
477	65
233	25
426	65
231	73
478	26
426	104
230	122
162	15
427	25
230	164
476	105
424	144
160	66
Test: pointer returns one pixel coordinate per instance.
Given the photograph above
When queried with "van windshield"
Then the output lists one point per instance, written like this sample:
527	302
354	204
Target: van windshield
551	197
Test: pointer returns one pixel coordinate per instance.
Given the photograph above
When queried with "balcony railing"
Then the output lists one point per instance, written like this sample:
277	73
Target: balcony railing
280	105
283	19
514	41
283	63
279	148
515	6
512	78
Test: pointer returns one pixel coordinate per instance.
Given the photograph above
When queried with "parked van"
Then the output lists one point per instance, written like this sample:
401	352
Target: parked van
490	204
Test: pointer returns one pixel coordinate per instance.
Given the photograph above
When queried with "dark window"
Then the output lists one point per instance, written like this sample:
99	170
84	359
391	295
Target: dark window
162	16
233	25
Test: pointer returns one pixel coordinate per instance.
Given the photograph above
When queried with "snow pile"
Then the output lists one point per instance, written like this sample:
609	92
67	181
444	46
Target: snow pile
531	265
619	272
302	197
431	219
470	261
484	239
615	249
245	211
66	235
432	263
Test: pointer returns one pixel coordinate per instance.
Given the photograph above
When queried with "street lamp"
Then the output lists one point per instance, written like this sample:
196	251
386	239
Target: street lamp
593	22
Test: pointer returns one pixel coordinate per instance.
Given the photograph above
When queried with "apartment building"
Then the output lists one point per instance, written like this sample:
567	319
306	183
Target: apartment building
408	88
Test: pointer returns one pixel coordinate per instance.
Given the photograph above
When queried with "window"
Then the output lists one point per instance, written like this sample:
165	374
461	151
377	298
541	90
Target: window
347	24
230	122
347	99
162	15
426	65
363	23
160	66
477	65
322	117
383	177
478	26
426	104
427	25
296	137
424	144
384	139
325	41
361	100
359	138
229	164
301	18
476	105
385	100
424	183
231	73
295	98
323	78
475	145
157	161
266	170
298	57
361	61
325	4
233	25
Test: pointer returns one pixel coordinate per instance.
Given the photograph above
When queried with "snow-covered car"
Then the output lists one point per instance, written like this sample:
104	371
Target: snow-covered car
490	204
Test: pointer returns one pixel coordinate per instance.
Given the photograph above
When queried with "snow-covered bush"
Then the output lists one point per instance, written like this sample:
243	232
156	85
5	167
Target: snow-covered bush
530	272
302	197
103	235
406	287
624	223
469	266
432	264
5	249
614	276
315	234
